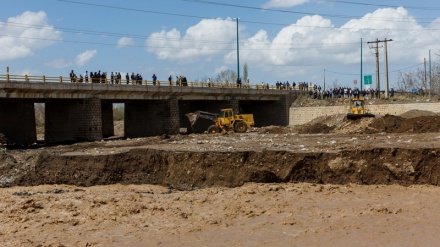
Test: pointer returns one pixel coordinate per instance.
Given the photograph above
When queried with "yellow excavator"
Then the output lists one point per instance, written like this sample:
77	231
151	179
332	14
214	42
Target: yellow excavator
358	109
226	121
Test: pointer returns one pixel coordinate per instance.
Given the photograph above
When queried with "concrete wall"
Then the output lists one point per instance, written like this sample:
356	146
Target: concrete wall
73	120
302	115
149	118
17	122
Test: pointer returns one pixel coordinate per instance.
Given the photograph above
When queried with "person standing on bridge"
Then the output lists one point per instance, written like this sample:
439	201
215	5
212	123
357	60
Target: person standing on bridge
154	79
72	76
86	76
118	78
132	78
112	78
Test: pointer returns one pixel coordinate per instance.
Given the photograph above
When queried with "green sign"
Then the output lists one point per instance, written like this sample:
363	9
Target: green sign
368	79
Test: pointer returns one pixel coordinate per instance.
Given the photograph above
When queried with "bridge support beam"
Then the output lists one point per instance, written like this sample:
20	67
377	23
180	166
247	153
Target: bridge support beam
284	105
149	118
234	104
73	120
17	122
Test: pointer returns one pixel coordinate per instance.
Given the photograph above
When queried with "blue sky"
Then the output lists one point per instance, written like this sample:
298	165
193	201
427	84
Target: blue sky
280	40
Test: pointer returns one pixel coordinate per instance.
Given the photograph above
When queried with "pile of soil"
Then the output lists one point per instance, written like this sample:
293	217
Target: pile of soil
417	113
398	124
410	122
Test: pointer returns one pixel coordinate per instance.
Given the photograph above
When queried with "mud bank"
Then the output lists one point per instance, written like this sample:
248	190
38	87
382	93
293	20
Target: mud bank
192	170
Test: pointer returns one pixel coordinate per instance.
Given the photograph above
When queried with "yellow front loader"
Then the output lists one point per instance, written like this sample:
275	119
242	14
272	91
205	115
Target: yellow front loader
358	109
227	120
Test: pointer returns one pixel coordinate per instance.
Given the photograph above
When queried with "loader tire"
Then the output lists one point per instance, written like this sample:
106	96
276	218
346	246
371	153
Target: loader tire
240	127
213	129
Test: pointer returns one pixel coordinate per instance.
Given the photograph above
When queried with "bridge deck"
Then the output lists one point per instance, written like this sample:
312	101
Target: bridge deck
51	90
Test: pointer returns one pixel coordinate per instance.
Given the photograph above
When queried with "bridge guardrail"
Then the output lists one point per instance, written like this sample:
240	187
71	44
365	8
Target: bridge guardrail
61	79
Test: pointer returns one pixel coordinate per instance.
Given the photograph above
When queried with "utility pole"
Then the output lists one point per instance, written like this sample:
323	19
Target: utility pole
361	67
430	75
238	54
376	47
377	65
425	81
387	87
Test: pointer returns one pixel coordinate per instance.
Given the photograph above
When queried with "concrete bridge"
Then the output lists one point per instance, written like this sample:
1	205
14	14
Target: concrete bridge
84	111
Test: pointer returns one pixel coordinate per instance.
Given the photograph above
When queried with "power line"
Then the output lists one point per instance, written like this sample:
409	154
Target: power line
294	12
383	5
232	5
79	31
145	46
394	71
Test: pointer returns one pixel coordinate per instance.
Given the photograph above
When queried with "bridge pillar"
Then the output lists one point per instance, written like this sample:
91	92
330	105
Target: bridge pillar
234	104
107	119
149	118
17	122
283	105
73	120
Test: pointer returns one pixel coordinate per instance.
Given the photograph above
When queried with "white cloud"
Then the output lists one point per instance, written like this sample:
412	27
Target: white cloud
207	38
305	48
58	64
80	60
220	69
20	37
124	41
313	42
84	57
284	3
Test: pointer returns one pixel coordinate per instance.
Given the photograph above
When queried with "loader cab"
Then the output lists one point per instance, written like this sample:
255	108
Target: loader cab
226	113
358	103
226	117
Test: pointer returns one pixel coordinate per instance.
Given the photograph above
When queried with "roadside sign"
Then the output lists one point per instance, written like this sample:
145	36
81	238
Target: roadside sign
368	79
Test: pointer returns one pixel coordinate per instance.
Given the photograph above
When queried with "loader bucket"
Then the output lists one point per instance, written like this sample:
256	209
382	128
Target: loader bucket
352	116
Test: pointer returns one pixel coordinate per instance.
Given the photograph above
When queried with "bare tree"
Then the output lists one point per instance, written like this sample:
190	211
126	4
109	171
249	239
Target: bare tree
335	83
245	73
226	76
420	79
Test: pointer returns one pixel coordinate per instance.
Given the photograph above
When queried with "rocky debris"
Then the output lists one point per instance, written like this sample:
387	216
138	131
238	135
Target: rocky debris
3	139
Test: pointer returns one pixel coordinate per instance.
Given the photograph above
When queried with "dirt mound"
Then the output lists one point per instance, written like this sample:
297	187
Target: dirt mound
317	128
331	120
417	113
398	124
353	126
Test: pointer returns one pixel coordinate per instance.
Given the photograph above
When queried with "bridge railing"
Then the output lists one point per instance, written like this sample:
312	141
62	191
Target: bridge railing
60	79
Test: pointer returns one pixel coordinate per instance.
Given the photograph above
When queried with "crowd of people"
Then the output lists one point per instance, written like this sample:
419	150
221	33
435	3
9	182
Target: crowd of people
102	77
116	78
303	86
346	92
315	91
